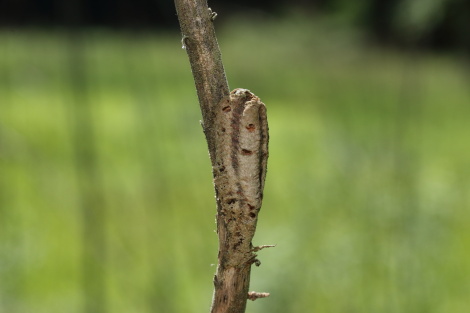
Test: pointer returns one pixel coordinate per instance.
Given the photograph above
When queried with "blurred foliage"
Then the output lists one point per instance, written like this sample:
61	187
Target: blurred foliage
106	201
430	24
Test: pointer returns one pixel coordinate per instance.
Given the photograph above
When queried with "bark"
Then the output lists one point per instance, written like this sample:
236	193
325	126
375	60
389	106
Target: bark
236	130
200	42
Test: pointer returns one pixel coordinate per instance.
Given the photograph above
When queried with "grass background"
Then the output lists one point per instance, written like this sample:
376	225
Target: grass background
106	200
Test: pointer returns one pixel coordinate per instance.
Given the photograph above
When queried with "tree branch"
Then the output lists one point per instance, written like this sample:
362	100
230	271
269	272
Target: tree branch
236	129
200	42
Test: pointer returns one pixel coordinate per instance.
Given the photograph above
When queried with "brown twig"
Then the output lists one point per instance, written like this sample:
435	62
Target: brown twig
200	42
253	295
236	129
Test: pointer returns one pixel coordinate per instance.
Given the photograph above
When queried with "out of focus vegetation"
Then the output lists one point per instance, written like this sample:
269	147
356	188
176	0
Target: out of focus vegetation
106	201
431	24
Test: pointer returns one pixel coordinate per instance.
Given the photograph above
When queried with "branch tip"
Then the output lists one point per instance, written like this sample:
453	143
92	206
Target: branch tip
253	295
258	248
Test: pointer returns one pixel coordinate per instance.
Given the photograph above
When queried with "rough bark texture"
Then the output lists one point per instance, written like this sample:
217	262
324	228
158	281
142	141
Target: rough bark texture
241	143
236	130
200	42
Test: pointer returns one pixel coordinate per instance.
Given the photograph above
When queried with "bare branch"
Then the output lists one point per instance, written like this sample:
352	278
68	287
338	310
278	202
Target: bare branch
236	129
200	42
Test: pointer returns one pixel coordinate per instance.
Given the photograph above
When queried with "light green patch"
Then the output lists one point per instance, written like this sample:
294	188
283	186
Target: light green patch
366	194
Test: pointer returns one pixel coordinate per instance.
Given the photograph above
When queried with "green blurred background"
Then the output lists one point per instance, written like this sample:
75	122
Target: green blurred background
106	196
